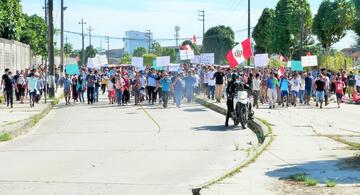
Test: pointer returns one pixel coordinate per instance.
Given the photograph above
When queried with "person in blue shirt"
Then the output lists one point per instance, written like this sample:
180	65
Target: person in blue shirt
165	83
308	87
178	90
272	93
189	86
284	88
67	89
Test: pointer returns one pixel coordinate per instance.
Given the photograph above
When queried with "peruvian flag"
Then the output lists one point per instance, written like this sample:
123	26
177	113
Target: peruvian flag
281	71
247	49
186	47
235	56
282	58
193	40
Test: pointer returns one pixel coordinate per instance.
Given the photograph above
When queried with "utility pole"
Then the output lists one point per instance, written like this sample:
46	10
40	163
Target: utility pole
45	62
148	34
90	29
177	35
51	50
82	35
62	37
66	40
107	38
201	14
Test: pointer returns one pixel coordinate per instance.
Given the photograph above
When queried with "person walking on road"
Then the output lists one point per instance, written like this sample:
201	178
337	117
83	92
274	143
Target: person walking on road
339	90
90	85
295	88
219	83
67	83
81	88
178	90
189	86
8	83
320	90
165	84
284	88
256	85
151	85
308	88
272	93
351	82
3	77
119	87
211	83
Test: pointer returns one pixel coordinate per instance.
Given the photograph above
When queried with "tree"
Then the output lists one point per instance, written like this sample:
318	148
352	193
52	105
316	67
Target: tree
68	49
75	53
149	58
10	19
126	59
219	40
157	50
335	61
139	52
332	21
193	46
263	32
356	25
170	52
34	33
292	19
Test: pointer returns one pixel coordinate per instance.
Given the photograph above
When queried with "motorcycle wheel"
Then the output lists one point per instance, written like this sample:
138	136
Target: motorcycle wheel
243	118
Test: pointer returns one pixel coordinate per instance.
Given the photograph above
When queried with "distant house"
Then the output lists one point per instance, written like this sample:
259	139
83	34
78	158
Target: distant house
114	55
350	51
356	58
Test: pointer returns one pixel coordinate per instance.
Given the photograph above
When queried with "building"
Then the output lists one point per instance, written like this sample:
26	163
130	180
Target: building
135	39
356	58
349	51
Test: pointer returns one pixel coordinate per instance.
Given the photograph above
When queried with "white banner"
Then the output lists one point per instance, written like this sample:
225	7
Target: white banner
163	61
174	67
195	60
308	61
261	60
103	60
138	62
186	54
207	58
93	63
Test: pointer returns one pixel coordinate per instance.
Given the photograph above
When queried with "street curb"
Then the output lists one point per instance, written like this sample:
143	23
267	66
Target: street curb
263	132
21	127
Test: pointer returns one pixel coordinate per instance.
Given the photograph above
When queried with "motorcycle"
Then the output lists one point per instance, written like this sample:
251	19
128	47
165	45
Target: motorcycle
242	109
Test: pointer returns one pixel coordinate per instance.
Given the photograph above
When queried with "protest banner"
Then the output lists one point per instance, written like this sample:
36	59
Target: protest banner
308	61
207	58
195	60
163	61
296	66
72	69
138	62
186	54
103	60
174	67
261	60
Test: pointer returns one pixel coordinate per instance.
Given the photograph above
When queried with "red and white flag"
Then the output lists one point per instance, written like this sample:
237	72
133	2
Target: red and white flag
193	40
186	47
239	53
281	71
235	56
247	49
282	58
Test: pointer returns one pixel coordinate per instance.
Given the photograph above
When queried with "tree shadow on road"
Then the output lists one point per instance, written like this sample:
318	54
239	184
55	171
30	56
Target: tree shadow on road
217	128
342	170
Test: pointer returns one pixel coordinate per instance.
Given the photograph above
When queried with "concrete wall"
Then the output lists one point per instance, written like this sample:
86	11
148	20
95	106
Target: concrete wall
18	56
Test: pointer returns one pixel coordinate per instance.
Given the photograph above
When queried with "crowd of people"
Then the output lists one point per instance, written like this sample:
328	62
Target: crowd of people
126	84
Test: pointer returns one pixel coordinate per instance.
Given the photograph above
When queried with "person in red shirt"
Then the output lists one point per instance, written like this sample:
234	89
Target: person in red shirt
339	90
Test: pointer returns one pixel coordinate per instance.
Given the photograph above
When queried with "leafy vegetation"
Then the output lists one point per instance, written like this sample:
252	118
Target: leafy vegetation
5	137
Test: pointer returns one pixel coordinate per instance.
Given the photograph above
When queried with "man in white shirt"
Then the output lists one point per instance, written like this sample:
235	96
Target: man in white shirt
256	89
211	83
295	87
357	77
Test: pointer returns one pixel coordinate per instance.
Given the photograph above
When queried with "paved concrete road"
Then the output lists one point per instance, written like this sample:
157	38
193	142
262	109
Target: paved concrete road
103	149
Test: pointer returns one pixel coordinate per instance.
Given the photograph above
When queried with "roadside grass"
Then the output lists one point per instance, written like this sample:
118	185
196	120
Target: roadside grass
303	178
330	183
5	137
353	146
1	99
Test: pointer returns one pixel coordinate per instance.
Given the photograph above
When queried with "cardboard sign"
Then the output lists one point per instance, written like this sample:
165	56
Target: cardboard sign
296	66
308	61
261	60
72	69
186	54
138	62
163	61
207	58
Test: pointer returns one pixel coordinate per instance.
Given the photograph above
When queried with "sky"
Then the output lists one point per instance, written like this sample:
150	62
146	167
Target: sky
114	17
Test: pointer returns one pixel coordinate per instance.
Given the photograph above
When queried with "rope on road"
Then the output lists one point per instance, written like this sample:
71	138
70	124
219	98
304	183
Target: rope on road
152	118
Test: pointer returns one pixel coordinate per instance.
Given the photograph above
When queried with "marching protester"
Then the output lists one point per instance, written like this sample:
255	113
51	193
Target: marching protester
295	87
271	91
219	77
67	84
284	88
256	84
339	90
320	90
165	84
8	85
178	89
81	88
189	86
